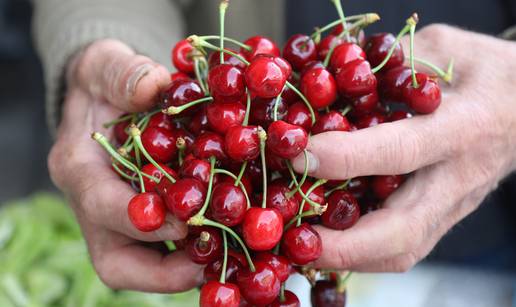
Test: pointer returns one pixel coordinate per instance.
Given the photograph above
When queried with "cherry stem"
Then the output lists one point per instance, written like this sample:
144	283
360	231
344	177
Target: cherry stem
241	173
341	186
172	110
117	121
411	20
181	146
198	75
263	137
201	221
103	141
198	42
276	104
342	281
342	17
137	155
247	109
240	184
298	217
303	179
307	103
317	208
335	23
121	173
136	133
231	40
282	293
225	259
210	187
222	14
446	76
303	195
346	110
412	66
170	245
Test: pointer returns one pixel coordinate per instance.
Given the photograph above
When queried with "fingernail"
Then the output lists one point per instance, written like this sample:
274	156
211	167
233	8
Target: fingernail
299	162
138	74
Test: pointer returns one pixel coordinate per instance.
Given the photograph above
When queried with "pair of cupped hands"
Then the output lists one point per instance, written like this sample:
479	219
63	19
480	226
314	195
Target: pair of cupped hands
455	156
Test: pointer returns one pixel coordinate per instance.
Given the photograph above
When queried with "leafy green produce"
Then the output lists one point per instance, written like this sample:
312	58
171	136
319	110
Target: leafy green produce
44	262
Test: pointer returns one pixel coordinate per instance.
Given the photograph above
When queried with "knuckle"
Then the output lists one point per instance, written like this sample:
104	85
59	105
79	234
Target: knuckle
435	30
405	263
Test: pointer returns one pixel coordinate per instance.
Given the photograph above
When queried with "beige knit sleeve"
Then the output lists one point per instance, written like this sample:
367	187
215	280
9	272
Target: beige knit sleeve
61	28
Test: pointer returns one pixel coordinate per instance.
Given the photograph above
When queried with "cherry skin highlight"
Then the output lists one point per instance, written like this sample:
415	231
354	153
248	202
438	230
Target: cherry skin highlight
286	140
217	294
228	204
299	50
262	228
242	143
342	212
146	211
301	244
185	197
260	287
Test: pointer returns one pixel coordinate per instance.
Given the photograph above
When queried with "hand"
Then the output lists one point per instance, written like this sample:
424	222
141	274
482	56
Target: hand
458	155
103	81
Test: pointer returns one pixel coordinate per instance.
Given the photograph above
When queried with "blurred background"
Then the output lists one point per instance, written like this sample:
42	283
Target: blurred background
479	253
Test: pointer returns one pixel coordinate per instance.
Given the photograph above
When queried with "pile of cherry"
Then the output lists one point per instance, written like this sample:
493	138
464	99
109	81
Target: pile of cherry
216	152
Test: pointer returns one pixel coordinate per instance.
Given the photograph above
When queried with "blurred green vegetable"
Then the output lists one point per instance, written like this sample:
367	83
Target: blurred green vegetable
44	262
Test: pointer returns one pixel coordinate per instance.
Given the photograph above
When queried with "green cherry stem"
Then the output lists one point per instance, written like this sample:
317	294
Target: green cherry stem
282	293
263	137
412	65
227	39
199	43
307	103
338	7
136	133
225	259
176	110
337	22
342	281
446	76
170	245
247	109
137	155
299	217
222	14
341	186
346	110
318	208
181	146
121	173
240	184
199	76
210	188
117	121
241	173
303	179
303	195
276	104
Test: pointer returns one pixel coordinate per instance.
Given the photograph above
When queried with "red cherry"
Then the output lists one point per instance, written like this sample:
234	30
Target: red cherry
209	144
288	95
217	294
358	186
392	81
213	269
279	264
299	50
246	181
254	172
326	44
399	115
324	294
181	92
331	121
342	212
370	120
266	76
146	211
199	122
377	47
316	196
214	59
345	53
151	170
223	115
242	143
299	115
291	300
205	247
263	109
262	228
360	40
260	287
228	204
185	135
365	104
301	244
182	56
226	80
161	120
286	140
120	130
424	99
196	168
356	79
185	197
383	186
178	75
277	198
259	45
159	143
319	87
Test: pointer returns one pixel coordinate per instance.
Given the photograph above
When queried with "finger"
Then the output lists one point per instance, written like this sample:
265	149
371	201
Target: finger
111	70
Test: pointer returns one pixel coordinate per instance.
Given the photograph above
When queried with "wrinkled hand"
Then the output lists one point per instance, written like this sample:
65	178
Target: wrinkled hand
103	81
458	155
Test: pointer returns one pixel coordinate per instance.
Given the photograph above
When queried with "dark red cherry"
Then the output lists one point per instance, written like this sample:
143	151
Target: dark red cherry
424	99
199	122
345	53
146	211
331	121
370	120
391	83
319	87
357	39
383	186
185	135
217	294
184	198
254	172
299	115
151	170
205	247
181	92
178	75
182	56
196	168
326	44
228	204
224	115
288	95
274	162
316	196
242	143
159	143
299	50
262	228
260	287
356	79
364	104
325	294
277	198
120	130
259	45
290	300
226	80
213	269
262	111
279	264
377	47
301	244
358	186
246	181
342	212
266	76
207	145
399	115
161	120
286	140
214	59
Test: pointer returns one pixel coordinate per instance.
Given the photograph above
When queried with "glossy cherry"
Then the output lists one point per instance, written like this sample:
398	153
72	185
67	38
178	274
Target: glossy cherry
266	76
299	50
344	54
358	186
377	47
370	120
262	228
159	143
319	87
424	99
226	80
196	168
342	212
182	56
399	115
331	121
299	115
242	143
356	79
217	294
263	109
365	104
274	162
383	186
391	83
151	170
260	287
146	211
120	130
279	264
316	196
204	247
259	45
178	75
207	145
184	198
228	204
325	294
301	244
278	198
161	120
224	115
291	300
214	59
213	269
246	181
286	140
181	92
185	135
199	121
326	44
